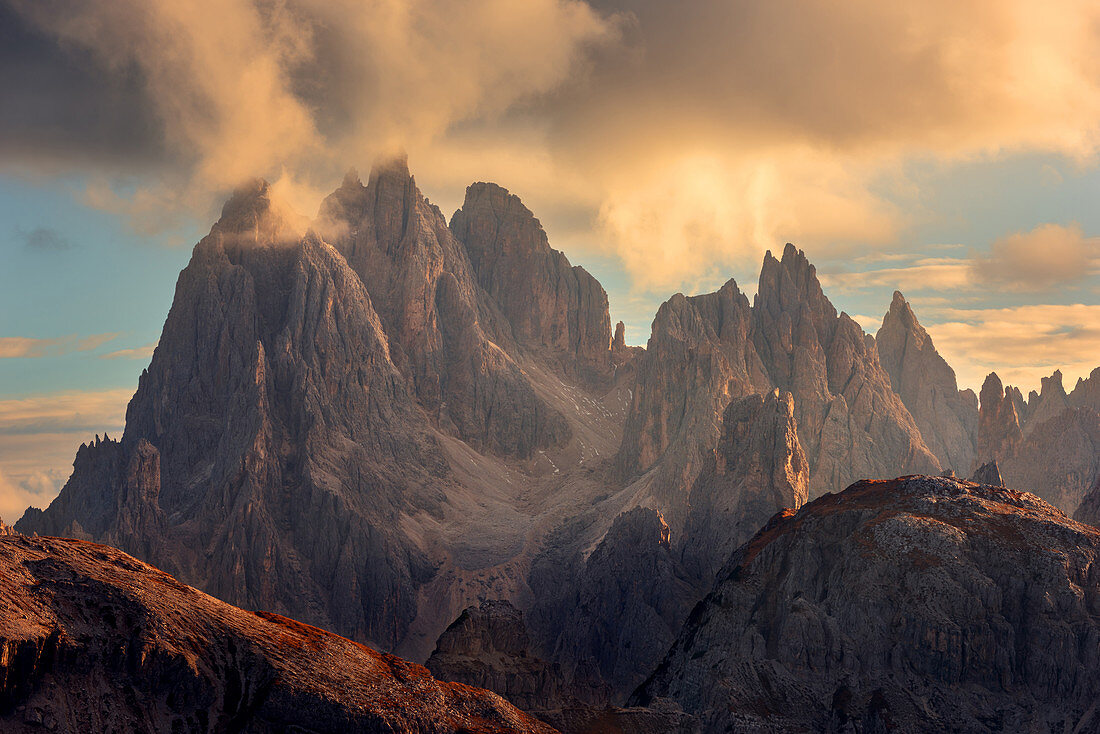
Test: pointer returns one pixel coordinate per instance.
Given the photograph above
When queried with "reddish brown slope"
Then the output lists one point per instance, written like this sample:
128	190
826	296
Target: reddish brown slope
93	640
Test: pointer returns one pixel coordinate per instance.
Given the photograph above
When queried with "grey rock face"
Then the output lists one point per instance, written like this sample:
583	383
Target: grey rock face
92	640
1086	394
758	469
630	599
699	357
1048	444
272	443
1089	509
947	417
488	647
442	328
850	421
919	604
553	308
999	419
988	473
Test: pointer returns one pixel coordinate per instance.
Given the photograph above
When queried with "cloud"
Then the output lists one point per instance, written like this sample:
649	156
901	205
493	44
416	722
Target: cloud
918	275
43	238
690	141
1022	344
1047	256
34	490
143	352
15	347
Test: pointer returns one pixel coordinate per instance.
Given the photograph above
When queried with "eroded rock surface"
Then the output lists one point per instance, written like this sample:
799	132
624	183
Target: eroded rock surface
553	308
757	469
947	417
917	604
92	640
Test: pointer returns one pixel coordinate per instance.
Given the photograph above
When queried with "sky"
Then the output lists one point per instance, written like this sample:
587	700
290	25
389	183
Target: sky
948	149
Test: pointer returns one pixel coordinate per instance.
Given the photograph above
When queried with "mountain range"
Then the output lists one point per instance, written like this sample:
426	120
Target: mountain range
427	438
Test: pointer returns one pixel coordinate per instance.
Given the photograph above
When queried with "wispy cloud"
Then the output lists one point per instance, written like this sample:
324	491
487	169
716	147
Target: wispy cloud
23	347
46	239
142	352
1021	344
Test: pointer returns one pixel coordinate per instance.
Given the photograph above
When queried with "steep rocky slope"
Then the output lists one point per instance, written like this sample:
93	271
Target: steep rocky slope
707	350
946	416
850	422
553	308
757	469
287	447
1050	444
918	604
252	464
443	331
94	640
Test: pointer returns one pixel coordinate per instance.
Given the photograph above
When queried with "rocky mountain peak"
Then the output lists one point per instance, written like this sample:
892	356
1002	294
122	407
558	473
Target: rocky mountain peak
988	473
254	215
999	424
947	417
553	308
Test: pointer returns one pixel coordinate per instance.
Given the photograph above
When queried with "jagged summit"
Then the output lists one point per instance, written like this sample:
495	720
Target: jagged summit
947	417
254	216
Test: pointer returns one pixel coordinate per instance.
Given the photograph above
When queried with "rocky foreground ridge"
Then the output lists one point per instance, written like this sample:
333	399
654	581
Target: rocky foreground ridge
92	640
917	604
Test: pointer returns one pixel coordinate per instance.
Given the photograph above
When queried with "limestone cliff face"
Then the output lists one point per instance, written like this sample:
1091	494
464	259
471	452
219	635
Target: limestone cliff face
272	445
947	417
488	647
999	420
628	601
555	309
699	357
1086	394
445	334
850	421
92	640
1050	444
921	604
758	469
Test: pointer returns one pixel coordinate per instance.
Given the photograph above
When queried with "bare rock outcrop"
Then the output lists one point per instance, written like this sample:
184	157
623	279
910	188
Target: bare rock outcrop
999	419
700	355
93	640
444	332
1050	444
272	444
757	469
920	604
1086	393
988	473
628	601
947	417
1059	458
488	647
850	421
1089	509
555	309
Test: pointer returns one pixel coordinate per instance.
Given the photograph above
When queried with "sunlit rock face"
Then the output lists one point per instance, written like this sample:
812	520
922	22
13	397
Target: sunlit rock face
850	421
947	417
919	604
94	640
758	469
554	309
699	357
1050	443
446	335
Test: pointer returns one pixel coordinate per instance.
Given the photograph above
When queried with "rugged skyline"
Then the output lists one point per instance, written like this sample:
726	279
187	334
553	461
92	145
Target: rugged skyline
948	153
